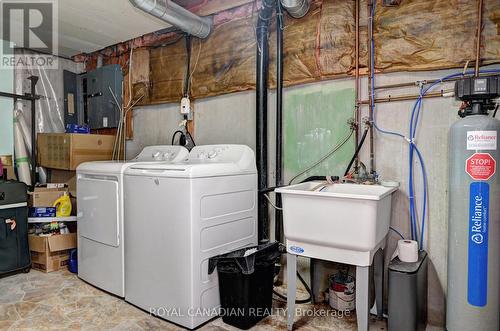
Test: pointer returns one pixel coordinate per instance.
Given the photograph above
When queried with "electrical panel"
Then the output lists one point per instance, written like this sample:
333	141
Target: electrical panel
70	98
99	94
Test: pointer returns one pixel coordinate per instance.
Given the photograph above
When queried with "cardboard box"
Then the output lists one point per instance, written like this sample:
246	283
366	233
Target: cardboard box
51	253
8	167
10	172
67	177
45	197
66	151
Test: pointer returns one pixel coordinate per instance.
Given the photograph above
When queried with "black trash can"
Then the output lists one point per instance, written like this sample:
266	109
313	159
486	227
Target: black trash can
246	283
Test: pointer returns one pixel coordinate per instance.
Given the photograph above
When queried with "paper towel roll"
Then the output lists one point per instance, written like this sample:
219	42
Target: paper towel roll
407	251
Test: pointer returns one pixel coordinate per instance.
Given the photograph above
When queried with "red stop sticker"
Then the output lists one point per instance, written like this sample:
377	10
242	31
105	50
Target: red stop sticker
480	166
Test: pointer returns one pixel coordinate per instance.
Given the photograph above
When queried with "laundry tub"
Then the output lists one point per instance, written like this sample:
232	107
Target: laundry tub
346	223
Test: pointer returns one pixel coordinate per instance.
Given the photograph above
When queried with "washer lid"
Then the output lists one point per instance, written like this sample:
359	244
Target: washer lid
203	161
163	153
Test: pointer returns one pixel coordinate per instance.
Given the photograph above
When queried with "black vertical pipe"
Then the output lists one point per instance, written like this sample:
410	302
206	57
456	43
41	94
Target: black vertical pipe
262	75
278	216
34	80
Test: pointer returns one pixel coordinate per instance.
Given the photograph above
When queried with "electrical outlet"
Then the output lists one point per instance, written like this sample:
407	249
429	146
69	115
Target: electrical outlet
185	106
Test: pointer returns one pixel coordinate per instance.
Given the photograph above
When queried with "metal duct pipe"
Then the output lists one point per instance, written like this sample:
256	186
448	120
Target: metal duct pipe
172	13
296	8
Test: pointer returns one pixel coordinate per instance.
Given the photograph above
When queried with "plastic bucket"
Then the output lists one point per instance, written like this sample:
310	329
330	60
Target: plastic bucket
73	261
342	292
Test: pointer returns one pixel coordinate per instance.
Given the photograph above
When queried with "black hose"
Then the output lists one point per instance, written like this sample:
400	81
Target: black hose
358	148
312	178
175	134
308	179
308	289
496	109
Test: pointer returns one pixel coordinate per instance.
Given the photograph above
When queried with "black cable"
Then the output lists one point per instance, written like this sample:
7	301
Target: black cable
188	65
168	43
496	109
358	148
190	136
308	289
175	134
397	232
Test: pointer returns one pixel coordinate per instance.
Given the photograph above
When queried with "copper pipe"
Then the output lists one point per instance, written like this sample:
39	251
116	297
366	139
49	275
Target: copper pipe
408	84
427	81
370	36
478	37
406	97
357	114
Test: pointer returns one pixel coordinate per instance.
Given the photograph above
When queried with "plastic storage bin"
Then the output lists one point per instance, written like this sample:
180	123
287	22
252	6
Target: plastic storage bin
246	284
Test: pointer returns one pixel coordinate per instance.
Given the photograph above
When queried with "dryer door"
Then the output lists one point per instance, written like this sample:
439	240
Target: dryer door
98	209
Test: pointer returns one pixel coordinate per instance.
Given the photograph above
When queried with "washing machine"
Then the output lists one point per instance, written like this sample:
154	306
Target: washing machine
100	216
192	211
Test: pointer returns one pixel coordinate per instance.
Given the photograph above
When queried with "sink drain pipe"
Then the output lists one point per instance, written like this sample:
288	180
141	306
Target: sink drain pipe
262	78
297	9
278	214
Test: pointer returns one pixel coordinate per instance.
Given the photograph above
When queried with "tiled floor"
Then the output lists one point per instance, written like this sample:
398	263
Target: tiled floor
61	301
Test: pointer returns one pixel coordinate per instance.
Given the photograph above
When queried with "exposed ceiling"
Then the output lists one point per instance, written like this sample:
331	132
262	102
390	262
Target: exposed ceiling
91	25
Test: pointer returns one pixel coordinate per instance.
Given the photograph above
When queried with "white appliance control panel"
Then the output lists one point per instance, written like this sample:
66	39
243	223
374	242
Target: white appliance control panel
238	154
162	153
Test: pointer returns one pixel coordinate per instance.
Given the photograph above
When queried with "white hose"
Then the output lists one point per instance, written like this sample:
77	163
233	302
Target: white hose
272	203
25	131
21	156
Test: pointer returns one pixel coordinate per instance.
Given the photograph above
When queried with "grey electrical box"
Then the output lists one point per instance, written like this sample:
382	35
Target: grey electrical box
408	294
97	106
71	115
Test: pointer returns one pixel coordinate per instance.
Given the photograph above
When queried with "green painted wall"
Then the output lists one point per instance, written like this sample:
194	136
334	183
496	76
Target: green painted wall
6	112
315	122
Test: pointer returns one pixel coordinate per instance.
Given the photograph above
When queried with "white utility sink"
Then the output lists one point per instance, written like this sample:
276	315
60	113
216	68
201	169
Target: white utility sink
345	223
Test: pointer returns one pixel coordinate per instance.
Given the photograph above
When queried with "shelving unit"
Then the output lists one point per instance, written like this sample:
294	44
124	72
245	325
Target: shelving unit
51	219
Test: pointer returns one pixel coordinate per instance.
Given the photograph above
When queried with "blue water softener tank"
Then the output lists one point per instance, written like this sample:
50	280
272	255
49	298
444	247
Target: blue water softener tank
473	301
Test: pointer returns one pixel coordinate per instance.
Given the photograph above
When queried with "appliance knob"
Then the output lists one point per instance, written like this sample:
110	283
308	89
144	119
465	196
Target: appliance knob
212	154
156	156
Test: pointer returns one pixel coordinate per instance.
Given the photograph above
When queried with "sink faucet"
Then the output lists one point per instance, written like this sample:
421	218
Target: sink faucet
362	176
